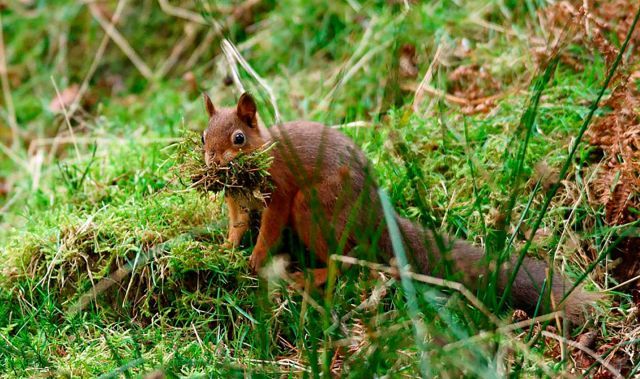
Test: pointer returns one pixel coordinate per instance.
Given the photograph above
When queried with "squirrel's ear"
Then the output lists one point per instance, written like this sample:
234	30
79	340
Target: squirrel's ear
211	110
247	109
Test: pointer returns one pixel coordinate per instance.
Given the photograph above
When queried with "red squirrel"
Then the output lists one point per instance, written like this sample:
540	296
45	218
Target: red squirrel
324	191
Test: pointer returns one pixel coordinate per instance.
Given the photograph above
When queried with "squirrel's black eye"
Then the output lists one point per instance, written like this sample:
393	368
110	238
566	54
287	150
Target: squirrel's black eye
202	138
238	138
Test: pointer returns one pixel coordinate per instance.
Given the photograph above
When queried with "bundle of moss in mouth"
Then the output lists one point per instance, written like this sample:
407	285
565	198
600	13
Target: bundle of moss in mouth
247	175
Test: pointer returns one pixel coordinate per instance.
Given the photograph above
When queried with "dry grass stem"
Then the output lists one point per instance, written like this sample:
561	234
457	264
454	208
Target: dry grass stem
424	279
6	90
122	43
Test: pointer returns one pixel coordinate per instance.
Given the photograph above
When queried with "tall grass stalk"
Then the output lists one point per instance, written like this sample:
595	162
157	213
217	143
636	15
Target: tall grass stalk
407	284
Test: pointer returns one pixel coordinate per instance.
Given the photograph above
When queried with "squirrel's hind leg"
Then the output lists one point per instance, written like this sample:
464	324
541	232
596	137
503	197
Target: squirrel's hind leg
317	275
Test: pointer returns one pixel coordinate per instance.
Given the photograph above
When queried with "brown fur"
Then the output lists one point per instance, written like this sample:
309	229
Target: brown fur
324	191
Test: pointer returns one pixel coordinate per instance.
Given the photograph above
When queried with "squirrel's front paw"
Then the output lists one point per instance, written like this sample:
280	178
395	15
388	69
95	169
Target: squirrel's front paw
234	240
228	244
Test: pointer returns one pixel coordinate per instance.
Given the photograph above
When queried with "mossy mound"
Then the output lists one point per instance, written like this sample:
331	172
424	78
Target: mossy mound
127	266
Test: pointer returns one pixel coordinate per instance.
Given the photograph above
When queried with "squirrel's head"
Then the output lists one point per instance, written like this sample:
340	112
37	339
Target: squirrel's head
230	131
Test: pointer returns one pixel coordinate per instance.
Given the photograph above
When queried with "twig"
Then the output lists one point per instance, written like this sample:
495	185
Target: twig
456	99
191	31
96	60
36	169
66	118
12	155
217	29
195	331
235	11
478	20
353	124
503	329
286	362
234	56
376	295
623	284
13	199
586	350
417	99
181	13
201	49
422	278
114	278
585	8
122	43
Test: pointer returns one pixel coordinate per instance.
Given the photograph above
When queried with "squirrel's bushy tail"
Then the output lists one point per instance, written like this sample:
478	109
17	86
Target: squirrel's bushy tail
463	259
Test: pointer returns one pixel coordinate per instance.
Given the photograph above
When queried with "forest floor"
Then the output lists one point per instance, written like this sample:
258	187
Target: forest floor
483	119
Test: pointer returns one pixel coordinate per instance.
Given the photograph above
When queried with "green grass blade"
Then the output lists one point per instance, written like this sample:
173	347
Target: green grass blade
407	284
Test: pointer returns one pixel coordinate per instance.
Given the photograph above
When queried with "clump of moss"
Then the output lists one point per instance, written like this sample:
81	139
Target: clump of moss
247	175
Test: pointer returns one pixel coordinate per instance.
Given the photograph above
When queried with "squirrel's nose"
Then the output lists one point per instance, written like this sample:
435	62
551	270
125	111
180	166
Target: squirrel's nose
210	159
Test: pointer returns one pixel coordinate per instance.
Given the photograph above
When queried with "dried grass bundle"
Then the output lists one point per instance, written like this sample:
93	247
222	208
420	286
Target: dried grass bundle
246	175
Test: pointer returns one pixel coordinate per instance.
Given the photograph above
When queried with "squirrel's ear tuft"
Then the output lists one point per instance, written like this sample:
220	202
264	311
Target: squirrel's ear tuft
247	109
211	110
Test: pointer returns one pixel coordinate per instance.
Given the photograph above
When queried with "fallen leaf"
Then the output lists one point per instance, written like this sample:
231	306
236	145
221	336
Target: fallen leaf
192	83
587	339
408	62
4	187
519	315
63	101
